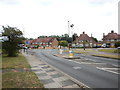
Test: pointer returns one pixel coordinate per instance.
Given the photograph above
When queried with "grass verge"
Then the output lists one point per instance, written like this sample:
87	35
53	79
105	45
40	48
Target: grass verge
109	50
15	78
108	56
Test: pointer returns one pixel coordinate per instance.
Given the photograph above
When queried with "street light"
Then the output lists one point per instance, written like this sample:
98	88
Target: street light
72	25
68	29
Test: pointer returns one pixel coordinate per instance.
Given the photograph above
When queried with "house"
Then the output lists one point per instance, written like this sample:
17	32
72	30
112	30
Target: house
28	43
45	42
111	38
85	40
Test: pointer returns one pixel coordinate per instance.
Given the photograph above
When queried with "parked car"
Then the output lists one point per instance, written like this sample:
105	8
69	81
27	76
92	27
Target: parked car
103	45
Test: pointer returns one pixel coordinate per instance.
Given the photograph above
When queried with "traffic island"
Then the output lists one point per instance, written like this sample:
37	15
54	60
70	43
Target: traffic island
66	57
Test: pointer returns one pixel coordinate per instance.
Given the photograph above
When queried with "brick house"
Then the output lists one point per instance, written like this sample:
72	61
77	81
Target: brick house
111	38
45	42
84	39
28	43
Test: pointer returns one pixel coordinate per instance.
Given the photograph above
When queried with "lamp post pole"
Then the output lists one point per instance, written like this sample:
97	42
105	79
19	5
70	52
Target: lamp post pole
72	30
68	28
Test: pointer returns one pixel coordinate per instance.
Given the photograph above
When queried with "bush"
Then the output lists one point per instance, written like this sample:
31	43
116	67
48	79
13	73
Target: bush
63	43
117	44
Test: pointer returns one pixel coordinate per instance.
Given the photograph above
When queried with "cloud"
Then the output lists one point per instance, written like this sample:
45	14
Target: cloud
47	17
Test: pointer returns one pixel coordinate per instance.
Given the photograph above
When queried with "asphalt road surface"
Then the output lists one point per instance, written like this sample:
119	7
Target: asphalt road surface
95	72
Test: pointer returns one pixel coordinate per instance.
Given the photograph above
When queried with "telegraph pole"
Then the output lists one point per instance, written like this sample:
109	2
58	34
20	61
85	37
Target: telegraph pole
68	28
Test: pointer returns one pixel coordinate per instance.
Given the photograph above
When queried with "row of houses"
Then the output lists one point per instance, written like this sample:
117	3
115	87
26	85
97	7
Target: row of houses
107	40
81	41
42	42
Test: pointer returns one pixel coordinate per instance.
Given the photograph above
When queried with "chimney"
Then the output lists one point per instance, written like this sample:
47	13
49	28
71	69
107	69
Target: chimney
112	31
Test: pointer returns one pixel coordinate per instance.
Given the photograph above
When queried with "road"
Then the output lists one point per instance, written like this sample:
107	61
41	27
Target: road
92	75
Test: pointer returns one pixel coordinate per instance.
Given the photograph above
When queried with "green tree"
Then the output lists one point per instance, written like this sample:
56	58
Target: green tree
117	44
95	39
74	36
11	46
63	43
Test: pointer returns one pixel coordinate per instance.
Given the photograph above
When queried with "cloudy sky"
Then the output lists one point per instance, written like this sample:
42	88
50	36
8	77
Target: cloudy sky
50	17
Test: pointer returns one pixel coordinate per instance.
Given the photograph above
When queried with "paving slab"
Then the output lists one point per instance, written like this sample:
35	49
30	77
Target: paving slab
67	82
46	81
49	76
56	75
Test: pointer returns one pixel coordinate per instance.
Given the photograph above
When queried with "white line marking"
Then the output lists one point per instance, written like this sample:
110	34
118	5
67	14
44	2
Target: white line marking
91	63
105	69
115	65
77	67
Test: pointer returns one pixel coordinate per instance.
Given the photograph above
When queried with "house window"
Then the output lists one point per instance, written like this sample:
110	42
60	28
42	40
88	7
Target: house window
90	40
81	45
118	40
86	45
112	40
95	45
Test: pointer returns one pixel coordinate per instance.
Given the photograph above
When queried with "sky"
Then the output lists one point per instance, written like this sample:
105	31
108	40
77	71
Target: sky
50	17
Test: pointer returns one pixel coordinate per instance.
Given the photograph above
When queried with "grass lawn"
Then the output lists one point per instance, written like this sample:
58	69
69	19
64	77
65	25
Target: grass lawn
108	50
13	78
82	51
88	51
108	56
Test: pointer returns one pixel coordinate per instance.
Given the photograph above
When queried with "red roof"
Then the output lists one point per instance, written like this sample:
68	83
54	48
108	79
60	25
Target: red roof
84	37
111	35
45	40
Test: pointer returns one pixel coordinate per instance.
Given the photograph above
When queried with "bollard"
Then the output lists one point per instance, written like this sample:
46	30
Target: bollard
61	51
70	54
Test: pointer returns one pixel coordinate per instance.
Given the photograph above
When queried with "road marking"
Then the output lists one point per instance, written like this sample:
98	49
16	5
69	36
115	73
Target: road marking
84	62
91	63
106	69
115	65
77	67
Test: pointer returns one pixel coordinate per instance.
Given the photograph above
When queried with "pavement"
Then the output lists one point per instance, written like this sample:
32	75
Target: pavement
49	76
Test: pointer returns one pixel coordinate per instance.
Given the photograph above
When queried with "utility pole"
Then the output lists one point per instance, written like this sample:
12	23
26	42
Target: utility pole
68	28
72	30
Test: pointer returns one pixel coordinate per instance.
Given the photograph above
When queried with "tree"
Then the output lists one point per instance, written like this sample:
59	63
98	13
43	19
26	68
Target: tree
95	39
11	46
63	43
74	36
66	38
117	44
84	42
